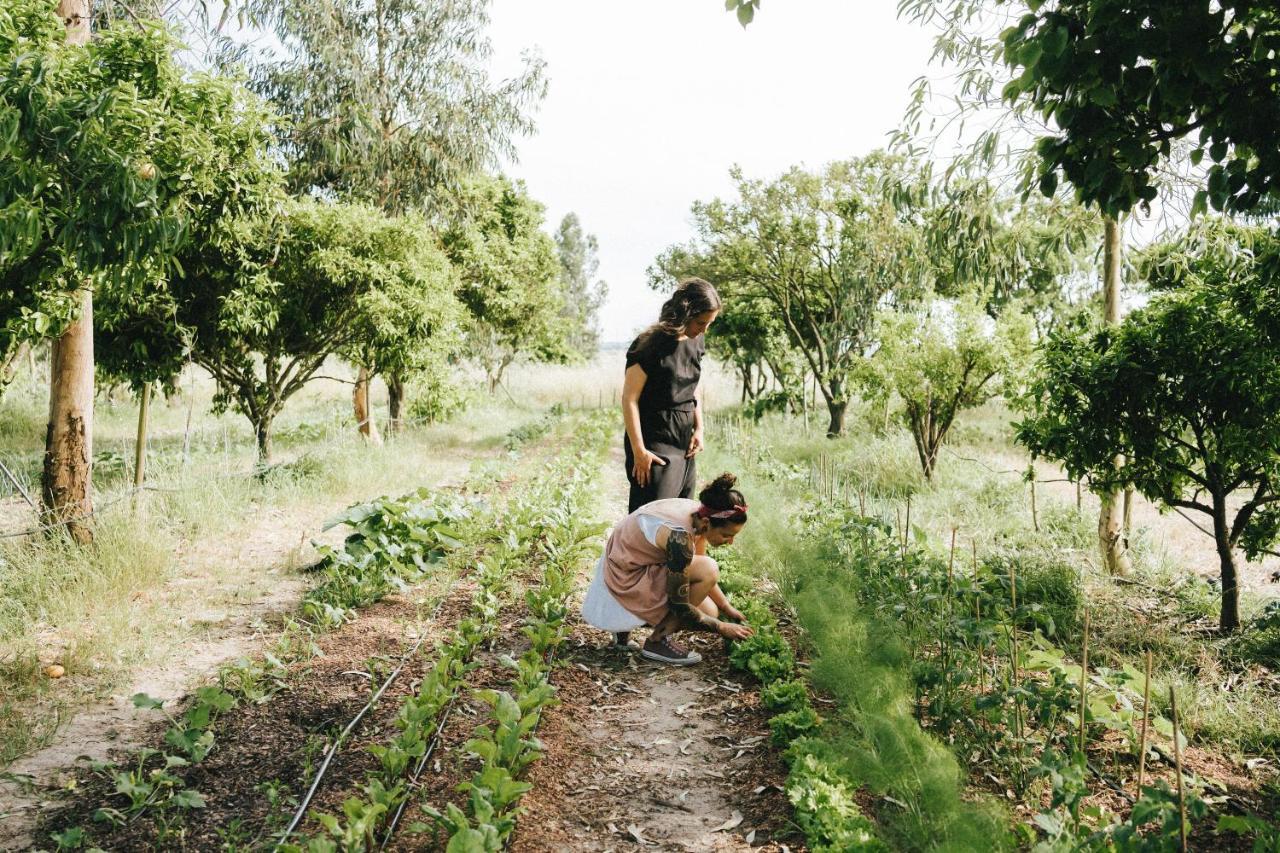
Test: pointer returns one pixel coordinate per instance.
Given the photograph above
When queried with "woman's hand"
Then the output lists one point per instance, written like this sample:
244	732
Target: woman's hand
733	632
732	612
695	444
644	463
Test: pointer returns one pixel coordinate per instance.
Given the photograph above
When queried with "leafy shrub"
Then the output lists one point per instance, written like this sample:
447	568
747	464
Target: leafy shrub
436	397
1050	595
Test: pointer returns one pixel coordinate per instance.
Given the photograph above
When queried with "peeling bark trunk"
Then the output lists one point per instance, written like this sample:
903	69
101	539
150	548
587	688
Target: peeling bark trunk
1111	538
67	486
364	413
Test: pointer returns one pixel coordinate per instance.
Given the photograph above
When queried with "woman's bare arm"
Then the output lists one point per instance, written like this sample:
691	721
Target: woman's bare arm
632	385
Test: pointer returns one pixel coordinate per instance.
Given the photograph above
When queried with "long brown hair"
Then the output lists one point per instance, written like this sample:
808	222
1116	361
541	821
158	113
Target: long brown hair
693	296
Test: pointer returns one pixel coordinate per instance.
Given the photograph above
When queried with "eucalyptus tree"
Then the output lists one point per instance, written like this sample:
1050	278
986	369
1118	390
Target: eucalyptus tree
826	250
510	276
583	292
108	149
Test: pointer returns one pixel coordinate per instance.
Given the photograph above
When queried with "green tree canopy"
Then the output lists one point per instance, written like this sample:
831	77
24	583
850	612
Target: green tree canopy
1123	80
825	249
583	292
109	152
940	359
510	276
390	101
265	311
1187	388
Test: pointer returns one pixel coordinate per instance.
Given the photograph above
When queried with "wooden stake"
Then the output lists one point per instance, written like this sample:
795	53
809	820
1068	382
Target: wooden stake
1079	496
1146	714
1084	678
906	531
1013	643
1035	512
951	559
982	647
1177	766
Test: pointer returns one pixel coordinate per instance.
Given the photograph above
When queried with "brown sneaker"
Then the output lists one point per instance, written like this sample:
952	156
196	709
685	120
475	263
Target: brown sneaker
669	651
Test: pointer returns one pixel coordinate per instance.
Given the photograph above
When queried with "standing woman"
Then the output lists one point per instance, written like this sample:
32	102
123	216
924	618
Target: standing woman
661	400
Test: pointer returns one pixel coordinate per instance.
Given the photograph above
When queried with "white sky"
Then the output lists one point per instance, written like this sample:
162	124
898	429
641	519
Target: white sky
651	102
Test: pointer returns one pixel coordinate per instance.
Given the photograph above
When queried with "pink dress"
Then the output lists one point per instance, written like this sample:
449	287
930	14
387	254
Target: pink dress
633	568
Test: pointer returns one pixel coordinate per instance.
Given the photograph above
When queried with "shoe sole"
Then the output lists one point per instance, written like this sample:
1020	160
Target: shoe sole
688	660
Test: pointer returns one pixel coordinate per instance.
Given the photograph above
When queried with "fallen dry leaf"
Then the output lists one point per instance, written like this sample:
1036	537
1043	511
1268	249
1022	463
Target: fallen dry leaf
634	831
733	821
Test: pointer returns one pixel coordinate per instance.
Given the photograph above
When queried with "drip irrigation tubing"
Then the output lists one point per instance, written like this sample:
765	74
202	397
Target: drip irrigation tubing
417	772
350	727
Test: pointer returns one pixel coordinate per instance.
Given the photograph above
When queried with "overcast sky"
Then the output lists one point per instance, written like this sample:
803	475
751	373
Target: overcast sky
651	102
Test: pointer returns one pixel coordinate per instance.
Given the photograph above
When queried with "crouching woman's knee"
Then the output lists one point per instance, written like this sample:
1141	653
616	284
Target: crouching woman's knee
703	570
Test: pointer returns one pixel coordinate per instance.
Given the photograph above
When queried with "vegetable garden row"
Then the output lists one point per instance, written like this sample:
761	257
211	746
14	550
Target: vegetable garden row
506	562
968	714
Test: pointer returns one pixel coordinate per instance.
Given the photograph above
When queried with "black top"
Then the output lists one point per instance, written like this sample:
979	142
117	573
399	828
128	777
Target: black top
672	369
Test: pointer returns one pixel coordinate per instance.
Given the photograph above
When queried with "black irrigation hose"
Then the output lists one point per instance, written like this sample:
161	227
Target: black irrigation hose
350	727
417	771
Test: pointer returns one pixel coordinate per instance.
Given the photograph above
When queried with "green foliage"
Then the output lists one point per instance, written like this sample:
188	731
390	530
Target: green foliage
1050	593
267	309
1185	388
583	293
511	279
825	808
784	695
940	360
393	542
820	252
437	395
390	103
111	158
1122	81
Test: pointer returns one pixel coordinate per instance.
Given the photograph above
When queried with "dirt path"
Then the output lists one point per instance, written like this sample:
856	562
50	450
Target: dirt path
646	757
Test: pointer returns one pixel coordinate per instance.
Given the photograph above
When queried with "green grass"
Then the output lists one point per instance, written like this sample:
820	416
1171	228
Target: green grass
157	575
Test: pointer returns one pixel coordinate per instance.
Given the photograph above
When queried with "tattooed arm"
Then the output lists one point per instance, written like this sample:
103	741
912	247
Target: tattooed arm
680	552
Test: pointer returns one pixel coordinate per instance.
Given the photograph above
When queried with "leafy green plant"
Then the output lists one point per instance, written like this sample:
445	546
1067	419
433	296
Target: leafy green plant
785	695
825	808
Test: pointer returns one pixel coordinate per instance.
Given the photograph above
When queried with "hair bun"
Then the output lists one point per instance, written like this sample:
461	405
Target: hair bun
723	483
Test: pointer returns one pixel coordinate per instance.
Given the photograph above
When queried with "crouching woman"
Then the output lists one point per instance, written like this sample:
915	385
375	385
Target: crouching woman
655	571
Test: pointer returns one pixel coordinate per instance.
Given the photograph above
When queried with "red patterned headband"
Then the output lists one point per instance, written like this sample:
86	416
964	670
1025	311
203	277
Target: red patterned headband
707	512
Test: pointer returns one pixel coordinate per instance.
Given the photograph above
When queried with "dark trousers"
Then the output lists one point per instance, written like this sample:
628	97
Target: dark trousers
667	434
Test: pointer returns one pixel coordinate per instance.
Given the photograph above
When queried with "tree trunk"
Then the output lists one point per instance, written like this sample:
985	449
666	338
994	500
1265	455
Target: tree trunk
262	429
836	409
1111	540
10	369
364	412
140	446
1229	614
67	485
395	402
